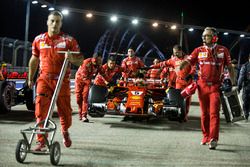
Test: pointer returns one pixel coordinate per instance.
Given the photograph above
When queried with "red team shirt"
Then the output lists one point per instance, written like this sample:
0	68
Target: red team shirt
130	66
211	62
107	75
46	48
87	70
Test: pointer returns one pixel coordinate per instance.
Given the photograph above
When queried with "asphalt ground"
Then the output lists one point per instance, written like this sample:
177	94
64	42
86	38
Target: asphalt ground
112	142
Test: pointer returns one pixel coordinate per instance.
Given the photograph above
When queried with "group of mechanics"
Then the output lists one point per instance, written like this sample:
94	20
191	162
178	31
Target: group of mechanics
178	70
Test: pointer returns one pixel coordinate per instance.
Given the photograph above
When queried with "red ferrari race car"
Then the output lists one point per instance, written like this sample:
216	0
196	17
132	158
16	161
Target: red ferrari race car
137	98
13	88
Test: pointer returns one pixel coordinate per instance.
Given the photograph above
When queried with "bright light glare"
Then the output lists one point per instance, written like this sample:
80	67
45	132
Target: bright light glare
89	15
34	2
51	8
44	6
173	27
114	18
242	35
135	21
65	12
225	33
190	29
155	24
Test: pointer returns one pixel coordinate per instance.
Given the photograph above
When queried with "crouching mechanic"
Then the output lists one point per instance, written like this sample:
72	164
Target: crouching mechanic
44	54
244	81
89	69
181	81
110	72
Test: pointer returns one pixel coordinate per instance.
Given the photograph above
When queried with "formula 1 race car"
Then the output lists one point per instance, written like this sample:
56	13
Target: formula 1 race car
134	98
14	90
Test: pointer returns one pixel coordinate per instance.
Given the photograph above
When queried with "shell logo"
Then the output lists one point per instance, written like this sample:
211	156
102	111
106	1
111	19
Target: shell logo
136	97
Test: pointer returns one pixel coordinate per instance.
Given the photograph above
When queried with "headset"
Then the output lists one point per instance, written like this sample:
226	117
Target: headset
215	36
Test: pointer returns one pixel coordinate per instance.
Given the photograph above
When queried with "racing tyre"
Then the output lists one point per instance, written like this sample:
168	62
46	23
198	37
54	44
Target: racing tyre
21	150
96	112
175	99
146	104
6	95
55	153
97	94
183	111
28	97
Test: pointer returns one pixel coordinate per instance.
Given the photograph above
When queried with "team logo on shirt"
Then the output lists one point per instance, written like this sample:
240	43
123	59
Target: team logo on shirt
177	63
131	62
202	55
61	45
44	45
220	55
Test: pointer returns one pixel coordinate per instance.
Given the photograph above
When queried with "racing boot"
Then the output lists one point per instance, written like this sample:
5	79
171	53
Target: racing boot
212	144
66	139
41	147
204	141
85	119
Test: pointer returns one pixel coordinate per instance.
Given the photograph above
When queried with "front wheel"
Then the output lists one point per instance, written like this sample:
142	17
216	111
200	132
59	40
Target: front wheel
21	150
55	153
96	112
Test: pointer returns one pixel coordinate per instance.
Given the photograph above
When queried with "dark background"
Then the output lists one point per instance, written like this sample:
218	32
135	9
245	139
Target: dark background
227	15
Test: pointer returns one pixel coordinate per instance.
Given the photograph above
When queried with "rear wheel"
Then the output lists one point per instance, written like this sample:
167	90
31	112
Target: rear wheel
146	105
175	99
6	96
183	111
97	94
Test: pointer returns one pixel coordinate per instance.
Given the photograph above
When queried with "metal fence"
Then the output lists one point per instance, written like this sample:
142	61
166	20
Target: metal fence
12	52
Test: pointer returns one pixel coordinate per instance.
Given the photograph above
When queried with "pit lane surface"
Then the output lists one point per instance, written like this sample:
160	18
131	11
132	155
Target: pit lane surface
111	142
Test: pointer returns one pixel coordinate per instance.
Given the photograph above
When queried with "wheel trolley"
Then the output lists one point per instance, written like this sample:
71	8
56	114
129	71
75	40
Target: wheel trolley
46	128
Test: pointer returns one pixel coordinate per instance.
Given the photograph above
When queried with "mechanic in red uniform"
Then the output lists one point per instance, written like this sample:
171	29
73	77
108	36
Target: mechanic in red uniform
154	73
131	65
44	54
89	69
168	76
181	80
110	70
212	58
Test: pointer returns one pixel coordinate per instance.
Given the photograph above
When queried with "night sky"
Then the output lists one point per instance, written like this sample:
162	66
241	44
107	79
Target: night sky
228	15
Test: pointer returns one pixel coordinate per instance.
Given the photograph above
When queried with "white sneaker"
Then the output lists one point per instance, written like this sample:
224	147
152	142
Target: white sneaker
212	144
